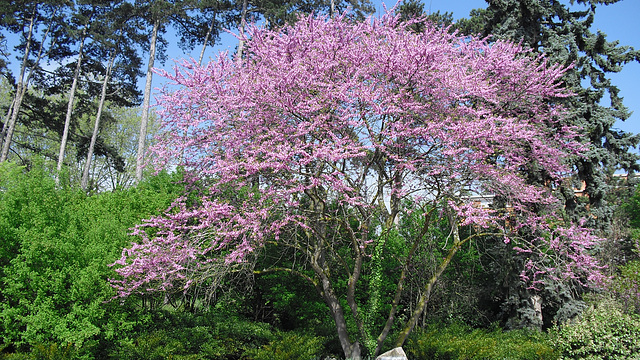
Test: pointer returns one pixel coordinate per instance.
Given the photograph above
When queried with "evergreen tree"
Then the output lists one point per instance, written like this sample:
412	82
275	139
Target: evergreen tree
115	44
39	24
562	32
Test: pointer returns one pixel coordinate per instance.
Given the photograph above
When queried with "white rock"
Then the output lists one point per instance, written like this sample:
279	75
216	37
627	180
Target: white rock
393	354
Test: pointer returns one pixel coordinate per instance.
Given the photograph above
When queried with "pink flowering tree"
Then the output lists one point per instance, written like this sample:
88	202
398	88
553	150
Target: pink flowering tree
329	132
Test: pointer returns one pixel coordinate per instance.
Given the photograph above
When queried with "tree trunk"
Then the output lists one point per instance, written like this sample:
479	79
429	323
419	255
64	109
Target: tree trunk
67	120
146	102
22	86
17	101
5	125
320	267
96	126
536	304
351	350
426	293
243	22
206	39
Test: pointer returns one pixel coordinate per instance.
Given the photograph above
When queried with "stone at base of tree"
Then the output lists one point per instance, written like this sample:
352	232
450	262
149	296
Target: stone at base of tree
393	354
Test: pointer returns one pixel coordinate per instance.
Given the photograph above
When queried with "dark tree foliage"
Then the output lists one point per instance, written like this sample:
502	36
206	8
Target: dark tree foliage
562	31
412	9
277	13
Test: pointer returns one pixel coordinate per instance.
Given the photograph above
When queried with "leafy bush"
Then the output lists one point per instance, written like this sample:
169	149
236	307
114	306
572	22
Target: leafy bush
460	342
178	335
603	331
51	351
626	285
289	345
157	345
55	246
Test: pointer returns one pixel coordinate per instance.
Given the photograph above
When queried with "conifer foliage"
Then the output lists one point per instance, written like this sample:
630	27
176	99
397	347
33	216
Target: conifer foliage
563	31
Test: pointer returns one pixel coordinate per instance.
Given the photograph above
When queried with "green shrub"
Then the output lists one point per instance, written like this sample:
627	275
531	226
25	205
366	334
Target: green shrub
157	345
603	331
183	336
51	351
289	345
55	246
460	342
626	285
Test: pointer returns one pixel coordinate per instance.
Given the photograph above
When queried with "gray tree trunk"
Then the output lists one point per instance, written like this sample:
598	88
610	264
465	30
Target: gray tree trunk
22	86
146	102
5	125
67	120
17	101
243	22
351	350
96	126
206	39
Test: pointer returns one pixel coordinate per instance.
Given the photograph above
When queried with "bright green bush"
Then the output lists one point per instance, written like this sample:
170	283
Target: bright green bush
55	246
460	342
603	331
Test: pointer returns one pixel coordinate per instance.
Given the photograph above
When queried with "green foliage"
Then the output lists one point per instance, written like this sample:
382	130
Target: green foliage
631	208
51	351
177	335
276	299
157	345
289	345
626	285
603	331
55	246
461	342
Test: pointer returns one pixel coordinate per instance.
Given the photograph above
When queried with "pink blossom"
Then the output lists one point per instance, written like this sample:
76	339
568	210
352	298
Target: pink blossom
366	116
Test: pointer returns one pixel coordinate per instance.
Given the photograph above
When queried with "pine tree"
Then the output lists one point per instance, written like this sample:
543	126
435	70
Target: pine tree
40	24
562	32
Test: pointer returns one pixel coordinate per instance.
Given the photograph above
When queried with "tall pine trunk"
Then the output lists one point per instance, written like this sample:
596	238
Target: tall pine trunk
5	125
67	120
243	22
146	102
17	101
206	39
96	126
23	84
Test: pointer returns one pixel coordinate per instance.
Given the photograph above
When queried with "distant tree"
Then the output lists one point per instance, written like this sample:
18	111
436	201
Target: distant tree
414	9
80	20
119	132
158	15
155	13
329	132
